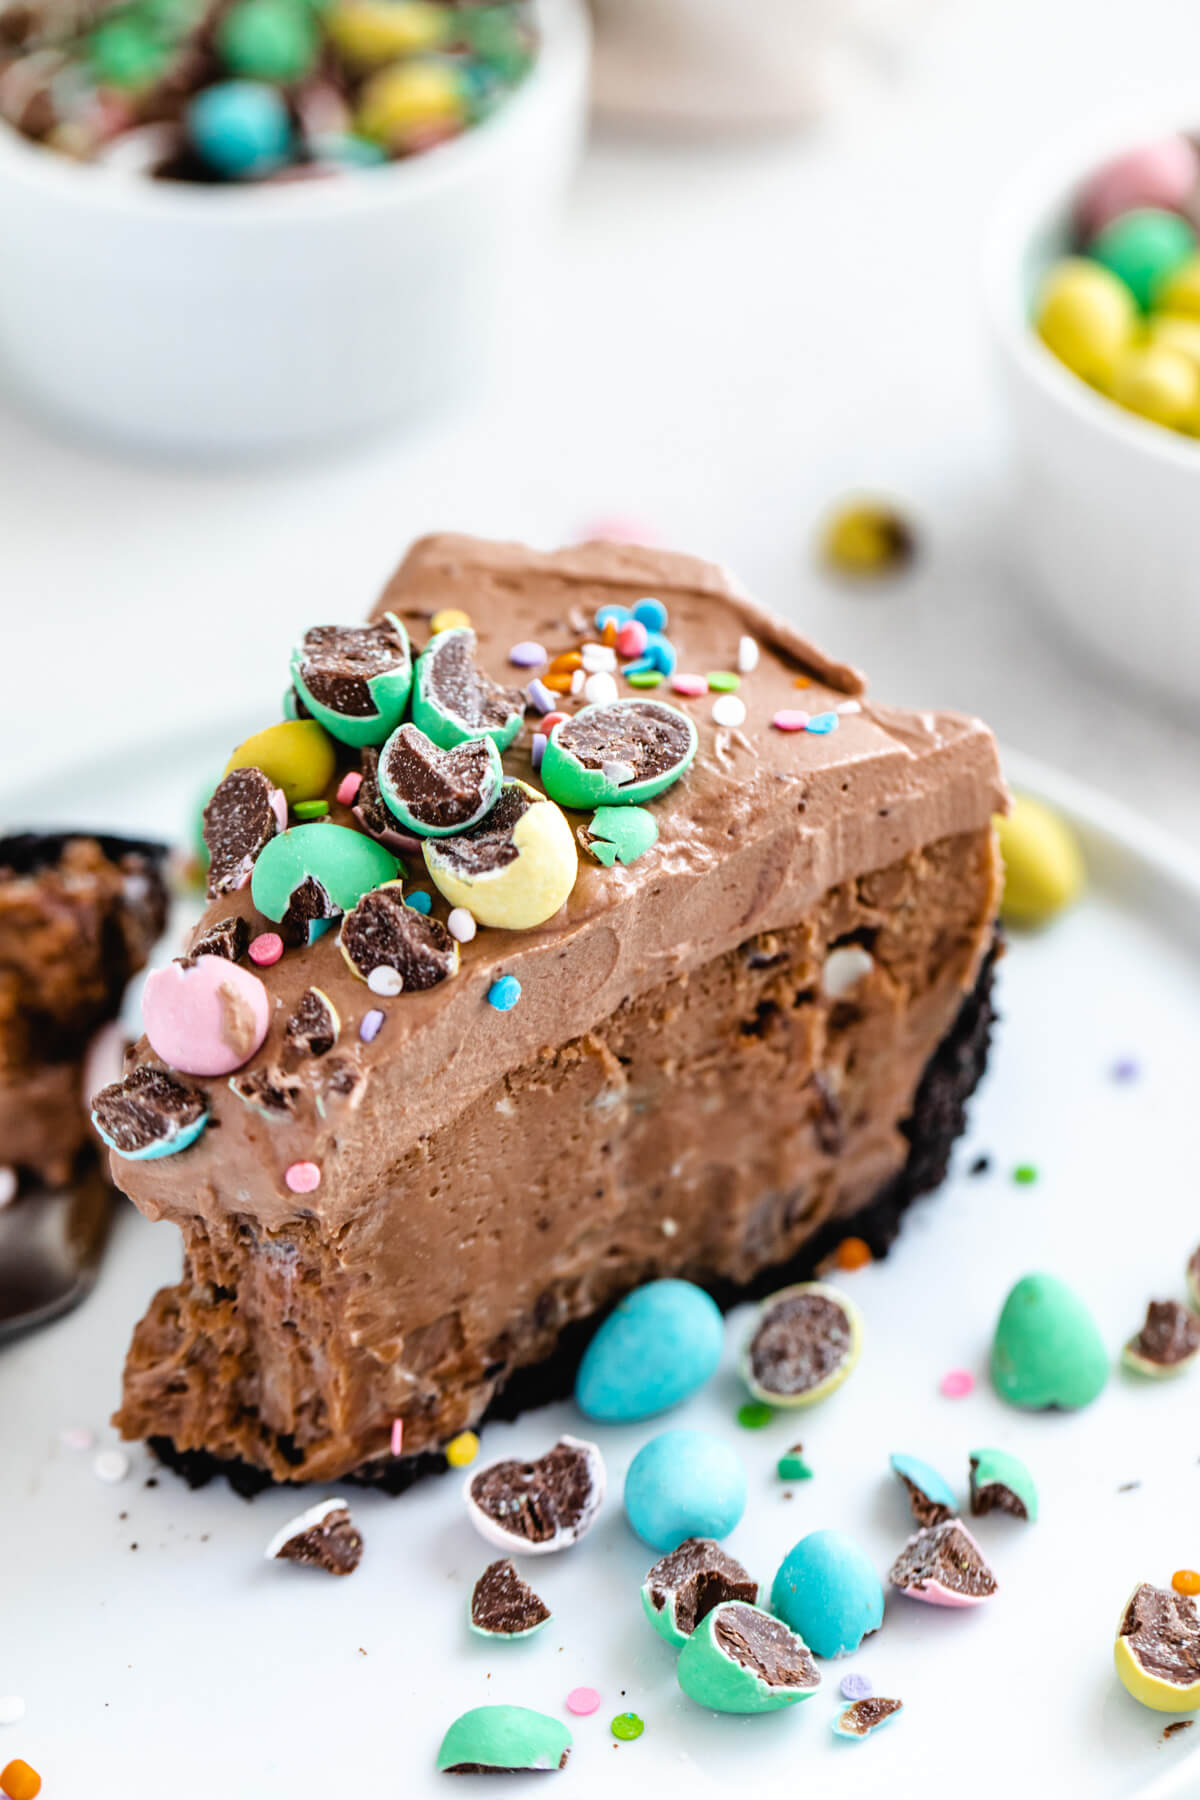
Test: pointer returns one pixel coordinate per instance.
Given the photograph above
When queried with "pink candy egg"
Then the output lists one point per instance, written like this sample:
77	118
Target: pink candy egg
1163	174
208	1019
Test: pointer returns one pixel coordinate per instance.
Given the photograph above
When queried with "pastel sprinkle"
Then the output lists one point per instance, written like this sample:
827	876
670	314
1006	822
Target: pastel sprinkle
645	678
310	809
385	980
790	718
348	786
397	1436
691	685
627	1726
504	993
802	681
111	1466
302	1177
462	1449
652	614
18	1781
754	1414
846	707
729	710
371	1026
451	618
600	689
419	902
537	748
540	696
856	1687
822	723
853	1253
579	681
266	948
597	657
1025	1174
956	1384
527	654
631	638
582	1700
723	681
461	924
747	655
1126	1069
76	1437
1186	1581
12	1709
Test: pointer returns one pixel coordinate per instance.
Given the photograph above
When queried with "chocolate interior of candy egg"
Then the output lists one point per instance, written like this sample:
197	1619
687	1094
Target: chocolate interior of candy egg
864	1715
537	1501
461	688
340	660
650	739
993	1496
440	788
368	802
382	932
312	1028
801	1341
1164	1632
239	819
765	1646
489	844
269	1090
1170	1334
504	1604
308	903
943	1555
924	1510
227	938
696	1578
145	1108
331	1543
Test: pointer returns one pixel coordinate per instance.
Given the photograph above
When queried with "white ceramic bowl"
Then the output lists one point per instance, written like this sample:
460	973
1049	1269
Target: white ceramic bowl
219	321
1109	505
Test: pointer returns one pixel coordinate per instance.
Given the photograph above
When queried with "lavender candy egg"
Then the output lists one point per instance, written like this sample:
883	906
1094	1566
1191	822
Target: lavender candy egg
206	1019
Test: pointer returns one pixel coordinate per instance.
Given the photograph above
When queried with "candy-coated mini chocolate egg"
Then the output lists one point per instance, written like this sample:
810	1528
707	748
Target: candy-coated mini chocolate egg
149	1114
406	100
1157	1649
504	1739
372	32
434	792
1000	1482
683	1587
515	868
394	946
1161	174
355	679
617	754
805	1342
452	698
314	872
659	1345
1143	249
684	1484
1043	864
1047	1350
296	755
268	40
827	1590
240	128
944	1566
741	1660
929	1496
1158	383
1176	331
1179	295
207	1017
1085	316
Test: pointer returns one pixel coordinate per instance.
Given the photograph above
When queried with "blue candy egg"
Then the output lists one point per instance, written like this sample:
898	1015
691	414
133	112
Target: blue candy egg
685	1484
660	1345
925	1479
827	1591
240	128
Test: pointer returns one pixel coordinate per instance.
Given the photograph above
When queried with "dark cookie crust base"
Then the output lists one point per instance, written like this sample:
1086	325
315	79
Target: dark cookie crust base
939	1117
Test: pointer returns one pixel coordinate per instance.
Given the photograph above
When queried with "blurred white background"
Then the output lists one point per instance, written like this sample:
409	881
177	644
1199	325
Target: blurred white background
731	338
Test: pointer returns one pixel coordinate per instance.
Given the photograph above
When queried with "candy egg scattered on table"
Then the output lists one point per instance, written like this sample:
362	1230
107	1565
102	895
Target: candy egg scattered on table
533	1508
685	1585
657	1346
741	1660
827	1590
1000	1482
1157	1649
684	1484
944	1566
1047	1350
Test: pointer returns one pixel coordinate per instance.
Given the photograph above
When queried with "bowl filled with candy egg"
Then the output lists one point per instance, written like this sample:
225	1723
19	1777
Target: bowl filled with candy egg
1093	285
244	226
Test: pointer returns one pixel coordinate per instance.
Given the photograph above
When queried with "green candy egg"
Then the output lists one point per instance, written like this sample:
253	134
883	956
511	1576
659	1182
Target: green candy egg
125	52
617	753
355	679
504	1737
1143	249
453	700
1047	1350
268	40
1000	1482
346	863
741	1660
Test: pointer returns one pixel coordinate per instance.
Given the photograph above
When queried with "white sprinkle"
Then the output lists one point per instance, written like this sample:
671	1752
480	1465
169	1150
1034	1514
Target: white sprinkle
578	678
385	980
506	1104
599	689
111	1465
8	1185
461	924
598	658
844	969
12	1708
729	710
747	656
76	1437
618	773
848	706
669	1228
305	1521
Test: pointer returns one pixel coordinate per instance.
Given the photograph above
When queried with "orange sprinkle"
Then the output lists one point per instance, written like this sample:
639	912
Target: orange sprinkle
609	634
19	1781
853	1253
570	659
802	681
1186	1581
558	684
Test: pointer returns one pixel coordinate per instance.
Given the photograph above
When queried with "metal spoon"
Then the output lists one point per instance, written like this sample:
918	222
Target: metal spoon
51	1245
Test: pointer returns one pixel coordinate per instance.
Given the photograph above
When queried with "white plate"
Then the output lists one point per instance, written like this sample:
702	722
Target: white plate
191	1667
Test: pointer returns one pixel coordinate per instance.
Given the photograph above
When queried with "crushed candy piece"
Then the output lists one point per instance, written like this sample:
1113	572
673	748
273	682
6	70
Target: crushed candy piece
324	1537
532	1508
504	1606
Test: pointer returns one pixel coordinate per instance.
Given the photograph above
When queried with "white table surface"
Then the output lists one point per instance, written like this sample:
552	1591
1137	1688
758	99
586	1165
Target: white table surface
732	337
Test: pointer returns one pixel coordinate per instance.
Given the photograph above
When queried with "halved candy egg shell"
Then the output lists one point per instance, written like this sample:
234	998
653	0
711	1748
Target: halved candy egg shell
502	1739
386	691
453	700
805	1342
150	1104
515	868
720	1664
470	768
345	863
534	1508
1170	1623
944	1566
614	735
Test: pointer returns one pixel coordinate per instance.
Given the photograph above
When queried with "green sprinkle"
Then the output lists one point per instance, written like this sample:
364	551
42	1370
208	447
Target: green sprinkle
311	809
755	1414
645	678
792	1466
627	1726
723	681
1025	1174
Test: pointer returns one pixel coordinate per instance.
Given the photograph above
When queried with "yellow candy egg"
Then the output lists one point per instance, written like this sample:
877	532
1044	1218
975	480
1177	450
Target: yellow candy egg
1180	293
371	32
1157	383
451	618
1176	331
1086	317
1043	864
297	756
409	98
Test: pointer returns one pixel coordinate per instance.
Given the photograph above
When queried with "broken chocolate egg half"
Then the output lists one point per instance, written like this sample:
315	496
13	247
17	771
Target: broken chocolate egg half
1000	1482
312	1029
863	1718
435	792
375	817
206	1017
532	1508
309	875
684	1586
1157	1649
618	753
502	1740
149	1114
805	1342
452	698
324	1537
355	679
504	1606
245	812
1168	1342
741	1660
944	1566
381	932
515	868
930	1498
229	938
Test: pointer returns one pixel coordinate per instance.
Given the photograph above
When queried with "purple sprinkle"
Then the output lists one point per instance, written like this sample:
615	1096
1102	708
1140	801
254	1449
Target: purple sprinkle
1126	1070
372	1023
857	1687
539	748
527	655
539	695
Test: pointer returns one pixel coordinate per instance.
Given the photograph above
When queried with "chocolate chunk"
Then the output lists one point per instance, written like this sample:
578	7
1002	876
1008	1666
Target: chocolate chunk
229	938
543	1505
502	1605
340	660
313	1028
1163	1629
863	1716
1168	1340
649	737
440	790
1170	1731
694	1579
944	1557
456	686
146	1108
307	906
489	844
805	1344
268	1091
381	932
244	814
324	1537
765	1647
342	1081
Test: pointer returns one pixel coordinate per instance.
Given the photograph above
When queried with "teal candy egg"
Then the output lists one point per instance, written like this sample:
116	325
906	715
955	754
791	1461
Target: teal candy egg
1143	249
346	863
828	1592
1047	1350
660	1344
684	1484
240	128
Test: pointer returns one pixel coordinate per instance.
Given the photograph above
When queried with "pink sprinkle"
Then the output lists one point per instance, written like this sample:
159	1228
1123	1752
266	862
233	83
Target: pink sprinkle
552	719
631	638
692	685
348	788
266	948
397	1436
956	1384
790	720
76	1437
582	1701
302	1177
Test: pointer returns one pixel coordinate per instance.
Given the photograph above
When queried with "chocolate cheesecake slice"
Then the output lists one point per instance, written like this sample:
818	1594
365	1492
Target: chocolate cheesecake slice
749	1031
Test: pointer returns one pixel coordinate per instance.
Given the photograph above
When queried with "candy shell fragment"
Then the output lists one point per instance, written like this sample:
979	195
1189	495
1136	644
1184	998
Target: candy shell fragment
504	1606
434	792
659	1345
453	700
805	1343
297	756
656	741
533	1508
792	1466
149	1114
863	1718
1047	1350
355	679
515	868
382	933
683	1587
682	1484
323	1537
1168	1342
741	1660
1157	1649
205	1017
1000	1482
943	1565
930	1498
500	1740
827	1591
244	813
